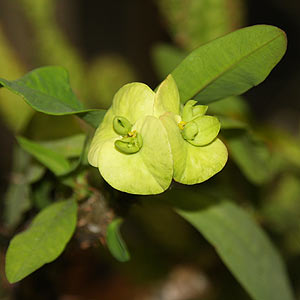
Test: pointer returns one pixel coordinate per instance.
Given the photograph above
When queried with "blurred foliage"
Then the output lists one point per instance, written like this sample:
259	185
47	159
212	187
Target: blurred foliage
192	23
262	175
15	113
95	82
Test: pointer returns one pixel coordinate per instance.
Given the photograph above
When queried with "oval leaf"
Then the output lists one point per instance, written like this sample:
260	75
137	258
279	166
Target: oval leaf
230	65
115	243
48	90
43	242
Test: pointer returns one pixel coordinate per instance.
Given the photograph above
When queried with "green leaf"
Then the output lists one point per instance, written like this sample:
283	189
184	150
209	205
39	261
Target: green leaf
94	117
70	146
230	65
250	154
48	90
56	162
115	243
243	247
43	242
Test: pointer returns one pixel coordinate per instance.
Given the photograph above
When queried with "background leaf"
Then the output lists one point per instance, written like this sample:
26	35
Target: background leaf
17	197
165	58
54	161
234	107
281	211
230	65
229	123
17	202
43	242
250	154
191	23
70	146
243	247
115	242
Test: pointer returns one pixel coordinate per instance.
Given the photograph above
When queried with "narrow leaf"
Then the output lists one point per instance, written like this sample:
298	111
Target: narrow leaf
230	65
43	242
115	243
243	247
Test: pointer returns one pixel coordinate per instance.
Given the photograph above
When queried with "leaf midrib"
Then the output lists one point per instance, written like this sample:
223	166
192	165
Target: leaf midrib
235	64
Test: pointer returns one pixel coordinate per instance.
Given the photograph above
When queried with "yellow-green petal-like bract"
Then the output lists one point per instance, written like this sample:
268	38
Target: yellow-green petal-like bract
150	169
193	164
143	142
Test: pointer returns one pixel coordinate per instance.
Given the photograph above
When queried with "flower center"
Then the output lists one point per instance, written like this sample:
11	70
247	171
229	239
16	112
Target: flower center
131	142
181	124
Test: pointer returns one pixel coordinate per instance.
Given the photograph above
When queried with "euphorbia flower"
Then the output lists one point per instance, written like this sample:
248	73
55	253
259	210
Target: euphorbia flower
131	147
144	140
197	152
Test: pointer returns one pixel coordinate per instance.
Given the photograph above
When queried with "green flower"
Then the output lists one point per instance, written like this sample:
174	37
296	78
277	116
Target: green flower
144	141
131	147
197	152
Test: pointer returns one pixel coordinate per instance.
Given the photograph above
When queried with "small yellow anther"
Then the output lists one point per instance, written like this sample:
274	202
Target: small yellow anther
181	125
132	133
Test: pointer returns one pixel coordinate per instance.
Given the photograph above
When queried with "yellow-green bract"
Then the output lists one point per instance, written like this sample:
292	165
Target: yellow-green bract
170	146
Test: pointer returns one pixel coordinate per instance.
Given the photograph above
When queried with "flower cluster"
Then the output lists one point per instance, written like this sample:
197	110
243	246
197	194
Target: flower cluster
147	139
